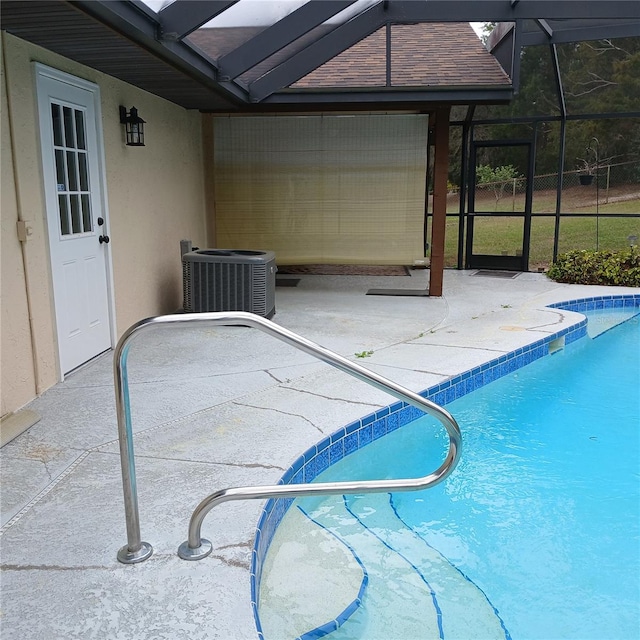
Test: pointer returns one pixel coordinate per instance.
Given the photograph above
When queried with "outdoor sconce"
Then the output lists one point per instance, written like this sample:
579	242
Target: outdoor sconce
134	127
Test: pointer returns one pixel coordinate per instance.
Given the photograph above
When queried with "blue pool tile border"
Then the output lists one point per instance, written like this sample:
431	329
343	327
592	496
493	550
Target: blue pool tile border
599	302
362	432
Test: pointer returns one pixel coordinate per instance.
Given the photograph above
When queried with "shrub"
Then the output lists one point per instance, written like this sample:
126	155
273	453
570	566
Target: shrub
620	268
497	179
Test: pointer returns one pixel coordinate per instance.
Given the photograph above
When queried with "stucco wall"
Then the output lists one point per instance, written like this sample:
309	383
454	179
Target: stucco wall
18	377
155	198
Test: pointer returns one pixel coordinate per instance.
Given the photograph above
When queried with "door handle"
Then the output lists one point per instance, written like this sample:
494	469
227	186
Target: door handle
104	239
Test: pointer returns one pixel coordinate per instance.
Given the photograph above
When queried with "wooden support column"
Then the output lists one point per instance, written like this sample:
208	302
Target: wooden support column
439	218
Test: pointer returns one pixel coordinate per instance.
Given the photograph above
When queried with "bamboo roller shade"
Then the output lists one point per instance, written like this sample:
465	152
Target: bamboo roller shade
322	189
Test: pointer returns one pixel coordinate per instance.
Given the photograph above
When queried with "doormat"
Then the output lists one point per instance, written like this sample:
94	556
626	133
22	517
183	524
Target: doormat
490	273
287	282
344	270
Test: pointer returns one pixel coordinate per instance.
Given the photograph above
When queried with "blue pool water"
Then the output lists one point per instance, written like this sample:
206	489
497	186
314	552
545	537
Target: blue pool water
534	535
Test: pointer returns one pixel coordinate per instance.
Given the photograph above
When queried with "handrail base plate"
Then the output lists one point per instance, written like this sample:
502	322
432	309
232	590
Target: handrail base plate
132	557
187	553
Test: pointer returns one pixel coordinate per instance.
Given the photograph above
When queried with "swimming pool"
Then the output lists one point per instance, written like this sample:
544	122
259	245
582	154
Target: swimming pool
535	535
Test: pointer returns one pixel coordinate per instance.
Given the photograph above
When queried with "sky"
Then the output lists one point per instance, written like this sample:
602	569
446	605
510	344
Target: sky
261	12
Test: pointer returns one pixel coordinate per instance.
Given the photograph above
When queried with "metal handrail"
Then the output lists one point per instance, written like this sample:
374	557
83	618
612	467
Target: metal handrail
196	547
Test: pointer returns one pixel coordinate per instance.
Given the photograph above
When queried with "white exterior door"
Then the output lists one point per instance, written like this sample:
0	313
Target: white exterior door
76	216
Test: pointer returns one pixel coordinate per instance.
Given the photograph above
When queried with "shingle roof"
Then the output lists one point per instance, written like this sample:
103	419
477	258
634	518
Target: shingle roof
422	55
426	54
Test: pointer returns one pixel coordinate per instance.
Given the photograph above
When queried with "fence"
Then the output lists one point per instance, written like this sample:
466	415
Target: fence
580	191
604	214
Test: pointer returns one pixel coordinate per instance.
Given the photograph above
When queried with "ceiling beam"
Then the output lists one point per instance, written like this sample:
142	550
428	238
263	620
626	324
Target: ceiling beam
319	52
410	11
462	95
182	17
140	27
544	25
557	75
578	34
278	36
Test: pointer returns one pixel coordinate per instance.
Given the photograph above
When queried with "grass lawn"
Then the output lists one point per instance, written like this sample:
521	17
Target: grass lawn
495	235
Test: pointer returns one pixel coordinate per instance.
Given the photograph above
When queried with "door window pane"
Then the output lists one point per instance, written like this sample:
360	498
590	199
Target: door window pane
61	176
76	214
56	118
87	222
82	166
84	172
64	215
69	138
80	138
72	171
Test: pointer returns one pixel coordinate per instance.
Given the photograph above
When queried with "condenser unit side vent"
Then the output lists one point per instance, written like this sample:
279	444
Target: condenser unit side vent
186	285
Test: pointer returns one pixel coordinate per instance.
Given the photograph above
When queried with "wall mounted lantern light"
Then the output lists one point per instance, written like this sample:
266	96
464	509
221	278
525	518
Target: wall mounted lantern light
134	126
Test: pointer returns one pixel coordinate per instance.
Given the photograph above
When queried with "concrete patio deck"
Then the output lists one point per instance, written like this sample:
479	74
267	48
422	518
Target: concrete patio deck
215	408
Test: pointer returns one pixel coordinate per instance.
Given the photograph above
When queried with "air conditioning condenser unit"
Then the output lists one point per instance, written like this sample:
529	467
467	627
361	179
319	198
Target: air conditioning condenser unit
229	280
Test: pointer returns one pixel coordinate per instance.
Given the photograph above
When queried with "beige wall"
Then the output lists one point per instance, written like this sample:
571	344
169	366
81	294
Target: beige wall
155	198
18	377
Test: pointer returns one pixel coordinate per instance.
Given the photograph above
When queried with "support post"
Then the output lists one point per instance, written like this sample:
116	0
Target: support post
563	136
439	220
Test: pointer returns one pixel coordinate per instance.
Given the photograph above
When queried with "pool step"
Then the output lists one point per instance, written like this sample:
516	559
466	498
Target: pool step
393	584
466	611
309	577
601	320
410	589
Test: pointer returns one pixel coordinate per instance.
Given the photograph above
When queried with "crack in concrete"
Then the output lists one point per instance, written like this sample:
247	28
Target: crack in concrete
559	320
242	465
320	395
239	545
34	458
276	379
72	387
285	413
252	465
49	567
46	468
54	483
458	346
444	376
171	380
231	563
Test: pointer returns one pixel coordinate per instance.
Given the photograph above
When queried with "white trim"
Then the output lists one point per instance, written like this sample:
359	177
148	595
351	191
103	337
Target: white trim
42	71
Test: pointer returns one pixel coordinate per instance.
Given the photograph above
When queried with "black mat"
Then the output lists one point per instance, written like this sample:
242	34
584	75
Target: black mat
495	273
414	293
287	282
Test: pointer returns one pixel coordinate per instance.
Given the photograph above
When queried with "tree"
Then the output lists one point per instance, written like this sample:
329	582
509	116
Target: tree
598	77
496	179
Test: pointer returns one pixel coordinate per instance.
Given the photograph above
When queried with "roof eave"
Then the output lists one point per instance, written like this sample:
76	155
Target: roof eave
471	94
